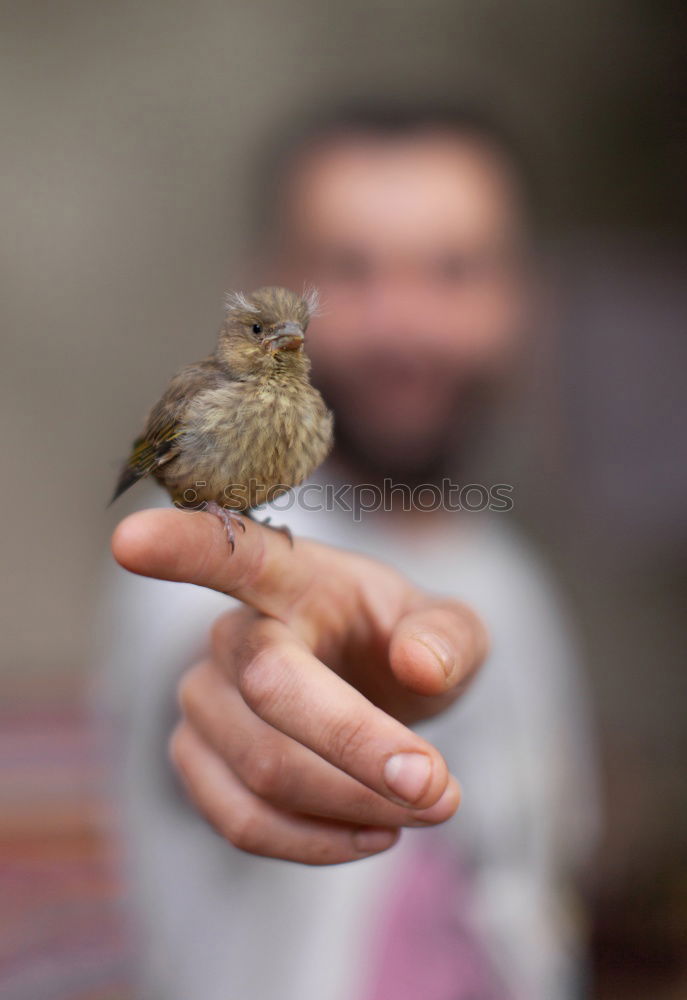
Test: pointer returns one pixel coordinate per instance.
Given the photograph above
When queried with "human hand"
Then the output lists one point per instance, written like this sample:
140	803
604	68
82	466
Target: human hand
293	740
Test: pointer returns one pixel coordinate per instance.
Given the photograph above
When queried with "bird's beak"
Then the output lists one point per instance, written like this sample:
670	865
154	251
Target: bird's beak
286	337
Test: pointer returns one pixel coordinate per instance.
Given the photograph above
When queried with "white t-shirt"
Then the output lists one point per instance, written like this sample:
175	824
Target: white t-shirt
220	924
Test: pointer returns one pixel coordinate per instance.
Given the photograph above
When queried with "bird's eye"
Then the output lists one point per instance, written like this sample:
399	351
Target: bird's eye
257	327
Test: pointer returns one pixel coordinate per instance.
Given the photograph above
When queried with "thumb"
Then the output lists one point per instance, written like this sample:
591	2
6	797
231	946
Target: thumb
437	649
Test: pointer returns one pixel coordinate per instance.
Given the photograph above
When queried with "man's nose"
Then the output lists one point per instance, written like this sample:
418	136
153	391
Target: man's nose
392	308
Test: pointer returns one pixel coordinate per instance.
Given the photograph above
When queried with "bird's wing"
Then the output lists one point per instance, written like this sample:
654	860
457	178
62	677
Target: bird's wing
159	442
148	453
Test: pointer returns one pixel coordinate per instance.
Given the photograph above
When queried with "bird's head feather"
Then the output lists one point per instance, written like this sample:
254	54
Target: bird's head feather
265	329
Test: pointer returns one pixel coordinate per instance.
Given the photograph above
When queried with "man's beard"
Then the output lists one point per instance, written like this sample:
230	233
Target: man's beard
448	451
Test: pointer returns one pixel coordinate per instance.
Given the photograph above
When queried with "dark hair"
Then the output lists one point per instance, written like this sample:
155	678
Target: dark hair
391	121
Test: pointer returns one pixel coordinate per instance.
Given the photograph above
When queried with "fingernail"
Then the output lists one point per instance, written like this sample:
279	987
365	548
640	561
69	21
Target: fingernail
407	775
439	648
370	840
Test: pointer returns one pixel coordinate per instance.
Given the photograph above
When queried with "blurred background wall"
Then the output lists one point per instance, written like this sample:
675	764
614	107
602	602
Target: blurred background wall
128	135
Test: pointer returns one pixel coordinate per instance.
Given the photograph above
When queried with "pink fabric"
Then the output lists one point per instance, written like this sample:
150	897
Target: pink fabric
426	947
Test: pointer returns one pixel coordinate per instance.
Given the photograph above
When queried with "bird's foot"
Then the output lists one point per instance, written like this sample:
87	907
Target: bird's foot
281	528
228	518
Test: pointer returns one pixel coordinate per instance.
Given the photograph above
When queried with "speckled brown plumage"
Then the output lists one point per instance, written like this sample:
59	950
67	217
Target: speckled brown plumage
245	424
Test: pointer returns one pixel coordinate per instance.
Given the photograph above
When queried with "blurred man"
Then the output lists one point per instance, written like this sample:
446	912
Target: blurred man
414	228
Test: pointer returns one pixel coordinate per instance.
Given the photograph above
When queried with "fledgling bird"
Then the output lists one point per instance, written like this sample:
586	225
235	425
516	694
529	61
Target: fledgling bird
244	425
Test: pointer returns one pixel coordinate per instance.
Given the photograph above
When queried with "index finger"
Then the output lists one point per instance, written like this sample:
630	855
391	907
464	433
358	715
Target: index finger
293	691
191	546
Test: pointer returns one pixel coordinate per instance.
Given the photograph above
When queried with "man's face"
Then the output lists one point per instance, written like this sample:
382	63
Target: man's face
414	245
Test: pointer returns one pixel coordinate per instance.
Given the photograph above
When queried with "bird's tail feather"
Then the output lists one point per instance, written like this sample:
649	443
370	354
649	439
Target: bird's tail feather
127	478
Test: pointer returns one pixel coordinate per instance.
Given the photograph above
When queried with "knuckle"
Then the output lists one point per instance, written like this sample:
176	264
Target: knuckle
221	632
244	829
187	690
177	747
259	679
264	775
225	631
345	740
184	692
232	634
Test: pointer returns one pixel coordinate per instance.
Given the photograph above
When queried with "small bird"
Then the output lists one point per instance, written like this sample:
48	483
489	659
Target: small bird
244	425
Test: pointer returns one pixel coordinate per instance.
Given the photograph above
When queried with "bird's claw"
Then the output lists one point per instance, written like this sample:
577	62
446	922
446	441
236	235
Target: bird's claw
284	529
281	528
228	518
